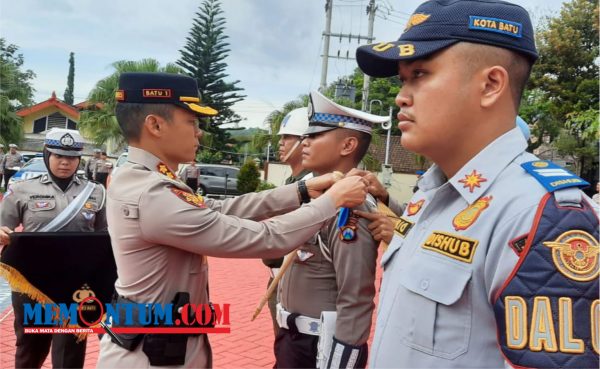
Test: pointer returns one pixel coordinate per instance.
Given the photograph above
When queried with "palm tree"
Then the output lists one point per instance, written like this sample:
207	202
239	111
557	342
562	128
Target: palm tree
99	123
273	121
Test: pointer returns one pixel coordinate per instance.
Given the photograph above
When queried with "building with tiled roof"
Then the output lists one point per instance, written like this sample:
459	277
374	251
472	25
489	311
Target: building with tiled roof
401	160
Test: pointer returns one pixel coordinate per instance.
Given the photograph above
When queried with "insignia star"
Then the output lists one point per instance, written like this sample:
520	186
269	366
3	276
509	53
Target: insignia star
472	180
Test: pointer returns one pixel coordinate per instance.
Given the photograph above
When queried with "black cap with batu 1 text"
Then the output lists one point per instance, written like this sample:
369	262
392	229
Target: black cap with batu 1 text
161	88
437	24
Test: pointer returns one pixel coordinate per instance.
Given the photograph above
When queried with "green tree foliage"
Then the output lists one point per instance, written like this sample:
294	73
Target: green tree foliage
563	97
249	177
99	123
203	58
16	91
70	81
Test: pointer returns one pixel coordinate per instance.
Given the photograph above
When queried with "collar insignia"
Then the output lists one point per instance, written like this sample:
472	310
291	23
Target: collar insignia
413	208
467	217
575	255
472	180
164	169
189	197
415	20
304	255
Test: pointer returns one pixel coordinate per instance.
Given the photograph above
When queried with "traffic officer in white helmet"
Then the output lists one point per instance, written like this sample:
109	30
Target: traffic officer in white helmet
58	201
291	131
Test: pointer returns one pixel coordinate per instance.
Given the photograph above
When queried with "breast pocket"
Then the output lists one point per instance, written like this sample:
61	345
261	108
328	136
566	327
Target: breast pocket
439	309
43	210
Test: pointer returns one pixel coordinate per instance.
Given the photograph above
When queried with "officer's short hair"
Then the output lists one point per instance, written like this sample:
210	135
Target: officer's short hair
517	65
131	117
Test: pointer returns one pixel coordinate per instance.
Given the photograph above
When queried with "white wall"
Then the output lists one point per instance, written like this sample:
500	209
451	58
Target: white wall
401	187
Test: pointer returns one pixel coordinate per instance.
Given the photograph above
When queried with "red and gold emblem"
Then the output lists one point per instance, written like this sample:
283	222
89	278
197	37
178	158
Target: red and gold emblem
189	197
164	169
467	217
413	208
472	180
575	255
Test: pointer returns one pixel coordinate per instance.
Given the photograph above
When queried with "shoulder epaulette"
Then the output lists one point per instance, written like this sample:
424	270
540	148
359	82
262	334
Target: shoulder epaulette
552	176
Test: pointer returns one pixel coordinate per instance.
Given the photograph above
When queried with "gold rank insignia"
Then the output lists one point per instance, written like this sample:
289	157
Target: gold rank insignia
189	197
465	218
88	205
413	208
575	255
415	20
164	169
472	180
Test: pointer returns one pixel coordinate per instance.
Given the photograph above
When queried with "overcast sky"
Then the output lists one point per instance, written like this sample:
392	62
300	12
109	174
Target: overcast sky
275	44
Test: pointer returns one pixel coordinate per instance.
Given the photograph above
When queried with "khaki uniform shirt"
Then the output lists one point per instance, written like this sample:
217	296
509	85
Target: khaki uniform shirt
90	165
36	202
336	275
2	155
103	166
160	240
12	160
191	171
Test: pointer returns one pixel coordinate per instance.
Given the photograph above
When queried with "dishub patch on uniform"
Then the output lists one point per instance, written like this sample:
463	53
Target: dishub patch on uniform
455	246
402	226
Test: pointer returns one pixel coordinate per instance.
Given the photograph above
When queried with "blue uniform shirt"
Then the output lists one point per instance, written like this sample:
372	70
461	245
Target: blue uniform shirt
441	277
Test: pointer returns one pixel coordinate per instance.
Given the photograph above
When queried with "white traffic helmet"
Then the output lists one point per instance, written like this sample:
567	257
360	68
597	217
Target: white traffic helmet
66	142
295	123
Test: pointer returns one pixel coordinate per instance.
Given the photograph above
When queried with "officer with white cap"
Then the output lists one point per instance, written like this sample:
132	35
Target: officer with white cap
90	165
11	163
2	155
327	293
58	201
292	128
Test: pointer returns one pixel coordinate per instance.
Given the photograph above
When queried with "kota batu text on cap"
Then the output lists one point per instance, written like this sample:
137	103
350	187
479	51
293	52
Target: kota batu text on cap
162	88
437	24
325	115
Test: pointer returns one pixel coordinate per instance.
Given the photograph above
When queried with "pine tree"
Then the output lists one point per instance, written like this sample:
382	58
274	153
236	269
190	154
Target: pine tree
70	80
203	58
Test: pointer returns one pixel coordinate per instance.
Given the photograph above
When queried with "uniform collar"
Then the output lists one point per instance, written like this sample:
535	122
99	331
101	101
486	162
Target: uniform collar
45	178
475	177
148	160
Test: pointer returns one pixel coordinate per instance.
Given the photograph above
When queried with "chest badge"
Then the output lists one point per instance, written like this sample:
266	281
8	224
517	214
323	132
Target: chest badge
413	208
304	255
467	217
575	255
473	180
164	169
41	204
189	197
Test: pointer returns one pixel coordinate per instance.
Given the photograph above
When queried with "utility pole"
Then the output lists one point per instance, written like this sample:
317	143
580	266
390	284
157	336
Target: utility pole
326	34
371	8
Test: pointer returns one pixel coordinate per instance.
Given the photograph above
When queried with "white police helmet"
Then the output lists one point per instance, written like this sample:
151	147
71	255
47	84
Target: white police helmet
66	142
295	123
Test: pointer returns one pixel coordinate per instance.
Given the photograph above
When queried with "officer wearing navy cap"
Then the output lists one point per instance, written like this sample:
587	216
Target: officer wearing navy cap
327	294
499	264
58	201
154	216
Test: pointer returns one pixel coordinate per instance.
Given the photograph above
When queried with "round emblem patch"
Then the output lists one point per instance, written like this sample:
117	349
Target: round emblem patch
348	233
67	140
575	255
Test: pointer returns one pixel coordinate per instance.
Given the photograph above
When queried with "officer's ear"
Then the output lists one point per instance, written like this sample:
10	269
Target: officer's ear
154	125
494	84
349	145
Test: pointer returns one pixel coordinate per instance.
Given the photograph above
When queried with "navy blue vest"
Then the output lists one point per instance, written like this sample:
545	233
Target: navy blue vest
548	311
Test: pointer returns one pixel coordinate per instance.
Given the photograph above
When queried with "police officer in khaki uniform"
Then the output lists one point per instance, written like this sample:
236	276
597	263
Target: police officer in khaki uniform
190	175
11	162
161	232
327	294
291	132
41	205
102	169
90	165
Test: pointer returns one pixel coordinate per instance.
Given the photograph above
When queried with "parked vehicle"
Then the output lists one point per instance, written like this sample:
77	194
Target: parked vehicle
33	168
216	179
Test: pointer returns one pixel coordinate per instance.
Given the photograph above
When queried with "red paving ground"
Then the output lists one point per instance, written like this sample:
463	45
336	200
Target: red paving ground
240	283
